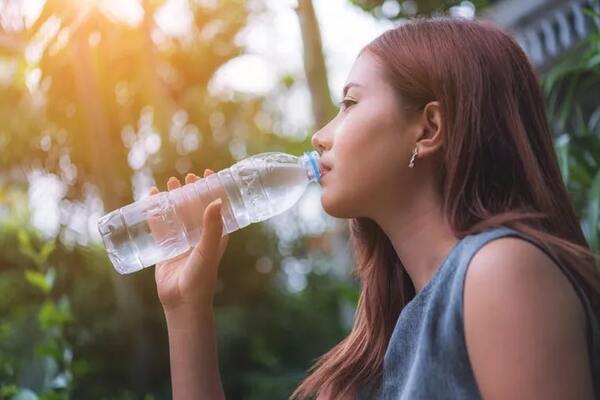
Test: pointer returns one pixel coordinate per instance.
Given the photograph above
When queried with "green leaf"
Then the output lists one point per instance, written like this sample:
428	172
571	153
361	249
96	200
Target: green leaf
288	80
349	293
592	62
580	174
594	120
46	250
25	394
52	314
582	127
562	149
23	237
25	245
53	396
38	280
590	12
567	103
593	211
50	348
8	390
555	76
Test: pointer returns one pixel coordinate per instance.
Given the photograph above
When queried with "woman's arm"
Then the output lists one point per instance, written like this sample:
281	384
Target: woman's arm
193	354
525	326
185	288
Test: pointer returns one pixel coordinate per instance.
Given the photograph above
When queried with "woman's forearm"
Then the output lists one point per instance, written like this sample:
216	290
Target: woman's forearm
193	354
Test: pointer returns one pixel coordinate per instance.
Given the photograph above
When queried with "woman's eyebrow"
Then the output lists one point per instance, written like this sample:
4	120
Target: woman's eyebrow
348	86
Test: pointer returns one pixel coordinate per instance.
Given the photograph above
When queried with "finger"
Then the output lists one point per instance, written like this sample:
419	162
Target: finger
173	183
207	249
225	237
154	190
190	178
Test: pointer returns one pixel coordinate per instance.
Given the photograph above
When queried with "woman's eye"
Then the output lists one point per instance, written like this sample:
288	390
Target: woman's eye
346	103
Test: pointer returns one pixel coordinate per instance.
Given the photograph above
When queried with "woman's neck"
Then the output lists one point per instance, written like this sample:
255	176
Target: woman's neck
421	237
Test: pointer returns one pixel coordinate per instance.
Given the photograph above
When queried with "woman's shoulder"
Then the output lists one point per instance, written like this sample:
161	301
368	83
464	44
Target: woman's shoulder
514	271
520	309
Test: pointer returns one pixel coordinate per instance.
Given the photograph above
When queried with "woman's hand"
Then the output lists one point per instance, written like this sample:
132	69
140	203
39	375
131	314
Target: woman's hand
189	280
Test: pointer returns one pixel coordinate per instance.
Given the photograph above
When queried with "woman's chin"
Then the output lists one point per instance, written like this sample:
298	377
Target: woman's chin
328	205
334	207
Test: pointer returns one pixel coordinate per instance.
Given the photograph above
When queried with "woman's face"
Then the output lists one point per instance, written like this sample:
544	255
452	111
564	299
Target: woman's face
367	147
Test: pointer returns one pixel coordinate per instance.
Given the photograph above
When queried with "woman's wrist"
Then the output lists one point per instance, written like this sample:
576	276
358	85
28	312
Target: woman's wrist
193	352
186	315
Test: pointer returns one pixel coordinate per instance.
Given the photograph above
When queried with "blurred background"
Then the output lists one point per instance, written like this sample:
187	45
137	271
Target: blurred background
102	99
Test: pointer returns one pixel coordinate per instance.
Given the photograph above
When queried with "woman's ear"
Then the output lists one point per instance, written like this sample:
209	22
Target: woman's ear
430	139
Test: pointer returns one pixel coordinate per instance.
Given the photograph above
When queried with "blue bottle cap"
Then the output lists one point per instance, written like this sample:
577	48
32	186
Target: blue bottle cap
313	160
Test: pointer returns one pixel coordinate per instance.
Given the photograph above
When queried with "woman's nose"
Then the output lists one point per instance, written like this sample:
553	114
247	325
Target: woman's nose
318	143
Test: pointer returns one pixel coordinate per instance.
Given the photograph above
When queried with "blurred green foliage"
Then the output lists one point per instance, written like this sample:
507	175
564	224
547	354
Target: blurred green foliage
61	338
571	88
88	89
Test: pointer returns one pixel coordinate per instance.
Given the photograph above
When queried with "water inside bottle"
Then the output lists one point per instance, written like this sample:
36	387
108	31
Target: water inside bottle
143	233
156	229
284	186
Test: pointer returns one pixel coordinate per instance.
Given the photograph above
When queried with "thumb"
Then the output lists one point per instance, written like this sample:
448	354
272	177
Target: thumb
212	226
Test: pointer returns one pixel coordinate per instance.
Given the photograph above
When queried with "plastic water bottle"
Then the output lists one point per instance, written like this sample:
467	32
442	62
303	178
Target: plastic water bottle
168	224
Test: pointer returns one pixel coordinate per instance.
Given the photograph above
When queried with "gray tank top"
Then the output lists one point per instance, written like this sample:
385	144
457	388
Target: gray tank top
427	355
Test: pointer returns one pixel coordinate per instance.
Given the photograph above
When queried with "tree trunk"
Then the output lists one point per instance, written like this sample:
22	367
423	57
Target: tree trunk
314	64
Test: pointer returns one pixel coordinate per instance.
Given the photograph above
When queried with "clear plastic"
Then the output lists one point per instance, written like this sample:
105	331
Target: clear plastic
168	224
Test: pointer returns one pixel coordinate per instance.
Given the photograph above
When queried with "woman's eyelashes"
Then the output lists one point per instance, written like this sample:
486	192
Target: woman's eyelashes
346	103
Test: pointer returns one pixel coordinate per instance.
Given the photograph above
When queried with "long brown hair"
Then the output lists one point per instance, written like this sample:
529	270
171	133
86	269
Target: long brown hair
499	168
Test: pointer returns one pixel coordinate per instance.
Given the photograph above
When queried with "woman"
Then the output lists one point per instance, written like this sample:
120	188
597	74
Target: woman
476	280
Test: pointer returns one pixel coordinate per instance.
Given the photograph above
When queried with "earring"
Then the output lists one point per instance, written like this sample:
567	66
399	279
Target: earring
412	160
